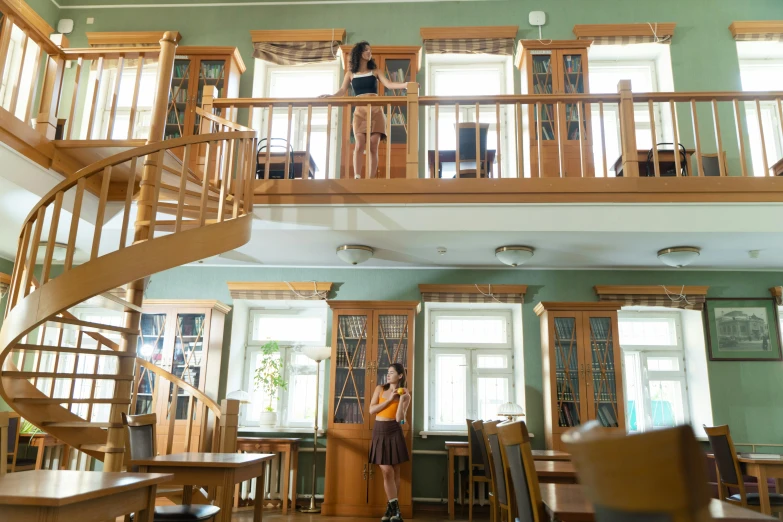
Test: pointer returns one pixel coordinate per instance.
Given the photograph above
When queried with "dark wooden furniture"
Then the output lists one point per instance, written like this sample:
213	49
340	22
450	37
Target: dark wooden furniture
499	499
449	157
478	461
289	451
86	496
567	503
522	485
14	462
367	336
214	470
45	443
665	159
277	161
555	471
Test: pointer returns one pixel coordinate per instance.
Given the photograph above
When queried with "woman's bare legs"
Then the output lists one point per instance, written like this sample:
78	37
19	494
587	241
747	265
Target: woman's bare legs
390	480
375	140
358	155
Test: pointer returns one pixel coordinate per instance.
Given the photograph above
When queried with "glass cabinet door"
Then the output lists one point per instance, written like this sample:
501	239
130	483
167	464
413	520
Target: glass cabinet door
568	398
188	351
398	70
543	84
602	371
573	83
350	368
179	95
210	72
150	348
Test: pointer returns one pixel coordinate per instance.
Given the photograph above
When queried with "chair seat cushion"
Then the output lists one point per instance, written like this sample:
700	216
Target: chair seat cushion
775	499
184	513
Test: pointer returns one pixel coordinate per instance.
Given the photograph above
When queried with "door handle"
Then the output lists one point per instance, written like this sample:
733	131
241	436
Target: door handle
364	473
372	471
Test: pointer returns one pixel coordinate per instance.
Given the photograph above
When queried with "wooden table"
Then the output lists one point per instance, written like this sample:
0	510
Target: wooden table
277	163
665	157
460	449
450	157
42	441
567	503
555	471
289	450
763	469
219	470
777	168
85	496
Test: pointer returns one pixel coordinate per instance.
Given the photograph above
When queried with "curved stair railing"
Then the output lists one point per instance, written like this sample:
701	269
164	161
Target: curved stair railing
72	377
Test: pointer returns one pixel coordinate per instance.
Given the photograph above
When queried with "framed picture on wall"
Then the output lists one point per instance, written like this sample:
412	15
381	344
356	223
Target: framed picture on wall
743	329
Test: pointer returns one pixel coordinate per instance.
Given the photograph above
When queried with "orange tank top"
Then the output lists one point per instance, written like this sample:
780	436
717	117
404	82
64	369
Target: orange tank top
390	411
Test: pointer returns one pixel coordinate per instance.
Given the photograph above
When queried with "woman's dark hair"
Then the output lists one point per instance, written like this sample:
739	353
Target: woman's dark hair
356	57
399	368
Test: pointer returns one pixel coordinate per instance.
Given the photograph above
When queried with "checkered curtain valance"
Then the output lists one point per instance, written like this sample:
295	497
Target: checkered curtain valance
625	34
472	293
296	53
690	302
757	31
499	46
626	40
283	291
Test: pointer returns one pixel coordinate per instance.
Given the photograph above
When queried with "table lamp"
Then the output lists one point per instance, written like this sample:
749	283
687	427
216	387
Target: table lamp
239	395
510	410
318	354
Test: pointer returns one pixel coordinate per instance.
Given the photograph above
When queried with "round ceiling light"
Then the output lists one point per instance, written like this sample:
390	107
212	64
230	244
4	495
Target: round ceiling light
58	252
514	255
354	254
678	257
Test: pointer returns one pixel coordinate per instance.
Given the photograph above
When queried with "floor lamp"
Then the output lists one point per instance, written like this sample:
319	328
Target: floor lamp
318	354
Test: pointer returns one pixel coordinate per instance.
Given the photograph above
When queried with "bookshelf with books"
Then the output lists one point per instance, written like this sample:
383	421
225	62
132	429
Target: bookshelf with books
399	64
556	67
367	336
582	367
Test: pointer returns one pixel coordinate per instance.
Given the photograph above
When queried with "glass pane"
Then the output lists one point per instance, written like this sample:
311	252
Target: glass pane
261	400
663	364
633	392
567	371
491	393
392	344
150	348
602	370
288	329
470	330
666	404
644	331
398	71
351	362
211	72
492	361
178	99
188	350
542	84
573	83
450	389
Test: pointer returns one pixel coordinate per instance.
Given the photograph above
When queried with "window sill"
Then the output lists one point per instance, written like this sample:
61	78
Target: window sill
276	429
463	433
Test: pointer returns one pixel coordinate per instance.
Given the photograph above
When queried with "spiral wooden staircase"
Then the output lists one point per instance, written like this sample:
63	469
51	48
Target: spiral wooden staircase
71	377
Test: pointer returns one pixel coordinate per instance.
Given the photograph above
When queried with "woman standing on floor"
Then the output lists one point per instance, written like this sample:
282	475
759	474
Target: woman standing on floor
389	404
363	75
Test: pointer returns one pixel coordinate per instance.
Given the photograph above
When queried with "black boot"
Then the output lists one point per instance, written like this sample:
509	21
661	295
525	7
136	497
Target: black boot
395	509
386	516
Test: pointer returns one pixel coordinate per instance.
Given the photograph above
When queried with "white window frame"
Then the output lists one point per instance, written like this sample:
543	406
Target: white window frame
287	351
644	375
773	139
470	351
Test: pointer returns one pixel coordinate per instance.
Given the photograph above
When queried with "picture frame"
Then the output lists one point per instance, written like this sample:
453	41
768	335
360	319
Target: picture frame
742	329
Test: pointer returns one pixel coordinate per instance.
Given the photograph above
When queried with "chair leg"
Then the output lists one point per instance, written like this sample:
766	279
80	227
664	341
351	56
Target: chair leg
470	496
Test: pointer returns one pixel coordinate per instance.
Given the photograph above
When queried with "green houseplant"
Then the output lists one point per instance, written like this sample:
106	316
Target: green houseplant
268	378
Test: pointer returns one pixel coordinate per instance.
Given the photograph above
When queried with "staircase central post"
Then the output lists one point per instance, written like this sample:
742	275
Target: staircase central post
115	444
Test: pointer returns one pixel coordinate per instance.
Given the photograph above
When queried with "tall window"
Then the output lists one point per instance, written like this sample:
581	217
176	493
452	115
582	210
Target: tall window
302	81
656	388
470	366
763	75
18	75
291	329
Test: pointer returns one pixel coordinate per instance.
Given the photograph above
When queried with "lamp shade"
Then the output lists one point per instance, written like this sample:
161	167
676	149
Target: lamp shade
354	254
513	255
510	409
239	395
678	257
316	353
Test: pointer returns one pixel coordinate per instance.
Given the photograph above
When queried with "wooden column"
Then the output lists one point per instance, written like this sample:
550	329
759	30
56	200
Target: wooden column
135	293
627	130
412	155
229	425
51	88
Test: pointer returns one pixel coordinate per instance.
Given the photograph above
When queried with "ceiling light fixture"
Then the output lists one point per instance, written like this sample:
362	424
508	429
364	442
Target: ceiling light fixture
58	252
514	255
678	257
354	254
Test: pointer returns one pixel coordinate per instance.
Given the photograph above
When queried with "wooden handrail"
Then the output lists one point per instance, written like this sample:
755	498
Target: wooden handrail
222	121
108	53
198	394
344	101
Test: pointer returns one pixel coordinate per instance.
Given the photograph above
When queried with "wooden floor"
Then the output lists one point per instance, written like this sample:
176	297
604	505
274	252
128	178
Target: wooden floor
427	513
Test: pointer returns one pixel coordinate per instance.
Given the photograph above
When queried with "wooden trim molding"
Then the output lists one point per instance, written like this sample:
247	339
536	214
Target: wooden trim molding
25	15
649	290
473	289
128	37
599	306
378	305
610	30
475	32
189	303
298	35
186	50
249	286
386	49
756	27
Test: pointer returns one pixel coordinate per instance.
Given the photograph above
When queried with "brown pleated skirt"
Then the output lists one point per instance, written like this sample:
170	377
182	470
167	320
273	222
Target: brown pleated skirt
388	444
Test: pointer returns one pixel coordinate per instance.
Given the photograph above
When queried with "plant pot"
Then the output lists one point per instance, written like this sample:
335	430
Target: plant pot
267	418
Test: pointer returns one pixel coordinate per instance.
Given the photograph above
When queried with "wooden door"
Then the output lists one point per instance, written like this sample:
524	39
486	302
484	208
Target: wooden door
208	70
575	118
348	408
569	404
178	115
543	78
604	369
347	475
150	347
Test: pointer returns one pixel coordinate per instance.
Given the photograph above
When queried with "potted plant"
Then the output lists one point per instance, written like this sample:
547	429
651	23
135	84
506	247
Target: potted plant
268	377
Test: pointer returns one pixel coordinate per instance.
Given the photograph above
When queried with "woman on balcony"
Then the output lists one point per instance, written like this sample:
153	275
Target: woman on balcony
363	76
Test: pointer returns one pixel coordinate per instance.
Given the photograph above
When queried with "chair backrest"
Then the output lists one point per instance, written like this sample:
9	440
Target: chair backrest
497	478
651	477
520	472
141	435
467	141
729	468
477	430
711	164
474	453
4	418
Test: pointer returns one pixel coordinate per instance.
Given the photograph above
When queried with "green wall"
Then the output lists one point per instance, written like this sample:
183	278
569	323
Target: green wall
745	395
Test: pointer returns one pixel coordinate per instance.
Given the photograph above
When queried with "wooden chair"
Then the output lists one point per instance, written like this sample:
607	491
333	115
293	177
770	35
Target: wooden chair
12	445
730	472
140	433
3	443
477	468
658	476
499	498
711	165
466	134
519	473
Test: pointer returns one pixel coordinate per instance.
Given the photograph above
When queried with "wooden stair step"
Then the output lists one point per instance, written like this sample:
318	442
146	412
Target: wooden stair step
194	208
120	301
100	448
67	349
95	326
54	375
66	400
82	424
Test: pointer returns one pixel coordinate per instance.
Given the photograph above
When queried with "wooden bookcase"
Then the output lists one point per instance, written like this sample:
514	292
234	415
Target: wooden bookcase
194	68
367	336
184	337
582	367
399	63
557	68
